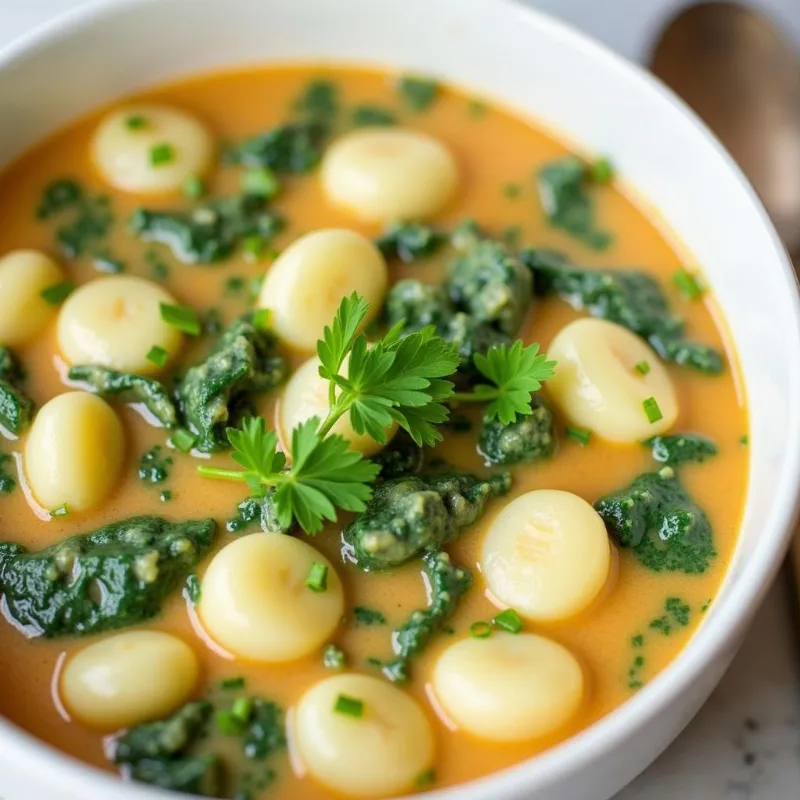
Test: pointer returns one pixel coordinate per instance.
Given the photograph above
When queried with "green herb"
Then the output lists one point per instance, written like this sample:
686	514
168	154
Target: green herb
368	616
104	262
638	640
234	285
448	583
530	437
194	187
581	435
349	706
410	241
319	101
138	562
416	92
261	181
7	482
688	285
157	355
512	190
516	372
165	496
128	388
480	630
509	620
425	780
652	410
57	293
242	709
317	579
567	203
162	153
678	615
293	148
262	319
183	318
681	448
229	684
136	122
253	247
158	266
60	511
183	440
228	724
601	171
16	408
512	236
744	440
333	657
367	114
193	589
153	467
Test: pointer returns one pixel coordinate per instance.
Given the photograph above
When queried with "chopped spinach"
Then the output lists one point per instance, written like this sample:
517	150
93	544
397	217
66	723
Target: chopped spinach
529	438
16	408
681	448
114	577
294	148
153	467
7	482
90	217
677	615
368	616
196	775
630	298
265	732
417	93
193	589
401	457
657	518
567	203
448	582
410	241
213	394
129	388
408	516
257	509
319	101
368	114
210	232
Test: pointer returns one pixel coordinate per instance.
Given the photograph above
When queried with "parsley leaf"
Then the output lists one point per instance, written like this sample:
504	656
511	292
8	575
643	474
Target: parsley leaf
337	340
515	372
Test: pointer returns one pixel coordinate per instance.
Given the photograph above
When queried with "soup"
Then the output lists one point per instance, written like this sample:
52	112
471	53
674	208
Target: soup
205	587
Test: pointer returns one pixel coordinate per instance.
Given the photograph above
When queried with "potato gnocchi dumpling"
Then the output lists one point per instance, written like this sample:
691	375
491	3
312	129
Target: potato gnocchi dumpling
598	384
305	285
151	149
386	174
128	678
24	275
375	746
256	602
546	554
74	452
508	688
114	322
306	396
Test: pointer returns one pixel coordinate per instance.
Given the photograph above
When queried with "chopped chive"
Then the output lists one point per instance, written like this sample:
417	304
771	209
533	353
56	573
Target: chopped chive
260	182
228	724
601	171
157	355
57	293
242	709
480	629
317	579
183	318
512	190
61	511
687	284
183	440
136	122
652	409
643	367
580	435
509	621
253	247
262	319
349	706
194	187
163	153
233	683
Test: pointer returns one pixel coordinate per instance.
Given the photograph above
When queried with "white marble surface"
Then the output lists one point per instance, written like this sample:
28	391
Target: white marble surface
745	743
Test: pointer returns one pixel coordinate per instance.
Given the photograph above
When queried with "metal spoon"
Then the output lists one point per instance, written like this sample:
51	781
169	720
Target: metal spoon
737	72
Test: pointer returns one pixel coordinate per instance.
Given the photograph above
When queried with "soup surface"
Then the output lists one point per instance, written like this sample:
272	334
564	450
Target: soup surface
620	613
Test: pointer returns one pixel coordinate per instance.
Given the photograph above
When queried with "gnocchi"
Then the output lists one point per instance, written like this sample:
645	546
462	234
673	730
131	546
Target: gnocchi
110	684
305	285
74	452
24	275
374	753
546	554
306	396
151	149
386	174
114	322
255	601
508	688
597	384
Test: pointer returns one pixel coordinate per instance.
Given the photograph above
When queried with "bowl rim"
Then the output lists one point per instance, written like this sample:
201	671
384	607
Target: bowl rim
721	631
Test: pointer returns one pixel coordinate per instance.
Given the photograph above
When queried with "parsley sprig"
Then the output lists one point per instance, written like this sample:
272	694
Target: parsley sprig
515	372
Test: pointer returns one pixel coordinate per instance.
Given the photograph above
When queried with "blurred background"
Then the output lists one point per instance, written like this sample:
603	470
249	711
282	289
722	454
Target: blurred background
738	65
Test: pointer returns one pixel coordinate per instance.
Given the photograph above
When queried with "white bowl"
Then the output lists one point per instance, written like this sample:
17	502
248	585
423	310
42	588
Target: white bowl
557	76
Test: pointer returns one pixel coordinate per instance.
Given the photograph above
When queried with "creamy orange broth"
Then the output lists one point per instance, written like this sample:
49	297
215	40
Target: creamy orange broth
492	150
